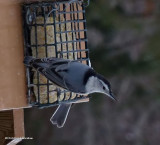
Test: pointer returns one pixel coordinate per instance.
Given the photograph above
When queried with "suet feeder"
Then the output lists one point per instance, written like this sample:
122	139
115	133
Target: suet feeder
54	29
50	29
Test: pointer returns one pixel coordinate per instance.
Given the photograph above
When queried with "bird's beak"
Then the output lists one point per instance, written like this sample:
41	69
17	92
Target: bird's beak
112	97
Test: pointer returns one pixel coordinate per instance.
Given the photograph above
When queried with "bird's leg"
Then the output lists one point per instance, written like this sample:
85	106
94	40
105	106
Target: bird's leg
52	91
58	90
61	54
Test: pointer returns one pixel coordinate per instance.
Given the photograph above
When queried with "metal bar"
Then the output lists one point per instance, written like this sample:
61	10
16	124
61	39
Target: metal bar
61	102
85	34
74	21
36	46
64	12
54	19
72	31
81	50
73	41
77	50
61	55
41	45
64	15
46	50
68	21
75	33
78	29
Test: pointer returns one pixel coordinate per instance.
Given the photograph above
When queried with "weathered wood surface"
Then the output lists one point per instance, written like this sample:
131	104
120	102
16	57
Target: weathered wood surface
11	125
6	126
12	70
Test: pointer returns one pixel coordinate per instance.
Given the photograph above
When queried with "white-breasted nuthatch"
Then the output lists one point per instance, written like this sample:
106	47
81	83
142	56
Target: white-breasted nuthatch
70	75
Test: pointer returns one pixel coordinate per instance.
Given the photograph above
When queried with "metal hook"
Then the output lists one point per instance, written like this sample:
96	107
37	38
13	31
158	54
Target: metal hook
30	16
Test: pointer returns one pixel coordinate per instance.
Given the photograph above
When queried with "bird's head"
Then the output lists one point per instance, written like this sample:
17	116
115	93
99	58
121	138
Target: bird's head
97	83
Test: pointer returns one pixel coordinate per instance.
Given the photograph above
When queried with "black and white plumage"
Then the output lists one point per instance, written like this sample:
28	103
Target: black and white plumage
70	75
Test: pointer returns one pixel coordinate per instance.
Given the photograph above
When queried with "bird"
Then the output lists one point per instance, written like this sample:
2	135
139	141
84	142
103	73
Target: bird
70	75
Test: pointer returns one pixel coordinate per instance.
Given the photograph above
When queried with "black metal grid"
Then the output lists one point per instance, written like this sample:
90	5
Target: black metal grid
73	13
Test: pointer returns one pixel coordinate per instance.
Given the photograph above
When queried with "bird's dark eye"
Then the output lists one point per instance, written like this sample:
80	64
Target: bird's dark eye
104	88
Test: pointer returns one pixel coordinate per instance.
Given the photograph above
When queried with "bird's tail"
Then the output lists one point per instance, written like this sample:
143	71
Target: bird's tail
37	63
60	115
27	60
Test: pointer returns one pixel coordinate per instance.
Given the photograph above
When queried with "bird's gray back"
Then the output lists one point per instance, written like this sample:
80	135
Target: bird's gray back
73	75
64	73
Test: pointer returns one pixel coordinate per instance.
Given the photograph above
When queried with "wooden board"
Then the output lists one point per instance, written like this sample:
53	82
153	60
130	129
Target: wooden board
6	126
11	125
12	71
18	121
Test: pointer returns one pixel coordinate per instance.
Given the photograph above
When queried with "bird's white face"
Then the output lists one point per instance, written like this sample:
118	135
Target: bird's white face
104	88
96	85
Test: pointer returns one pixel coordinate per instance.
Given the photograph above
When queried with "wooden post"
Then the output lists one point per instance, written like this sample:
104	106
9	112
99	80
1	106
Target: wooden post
12	72
6	126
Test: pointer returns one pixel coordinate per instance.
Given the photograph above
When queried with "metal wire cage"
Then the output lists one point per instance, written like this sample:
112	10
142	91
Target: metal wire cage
53	29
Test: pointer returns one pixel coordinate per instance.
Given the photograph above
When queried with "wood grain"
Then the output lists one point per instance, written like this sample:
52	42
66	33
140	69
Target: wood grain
6	126
18	122
12	72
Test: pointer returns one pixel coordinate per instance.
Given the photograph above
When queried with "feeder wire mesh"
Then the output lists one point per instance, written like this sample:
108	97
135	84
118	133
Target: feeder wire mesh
53	29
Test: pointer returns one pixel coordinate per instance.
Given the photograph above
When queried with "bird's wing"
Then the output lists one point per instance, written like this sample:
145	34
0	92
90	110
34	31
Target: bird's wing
56	70
53	60
48	66
59	64
55	77
59	74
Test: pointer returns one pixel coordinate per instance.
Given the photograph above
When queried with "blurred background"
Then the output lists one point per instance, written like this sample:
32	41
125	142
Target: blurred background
124	42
